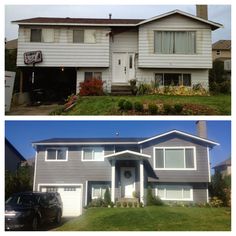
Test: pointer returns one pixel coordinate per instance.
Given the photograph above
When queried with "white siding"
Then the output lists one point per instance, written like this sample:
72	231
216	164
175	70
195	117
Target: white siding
198	76
63	52
202	58
125	42
105	77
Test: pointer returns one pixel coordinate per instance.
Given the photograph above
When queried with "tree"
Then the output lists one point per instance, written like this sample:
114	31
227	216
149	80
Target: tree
221	187
19	181
218	82
107	197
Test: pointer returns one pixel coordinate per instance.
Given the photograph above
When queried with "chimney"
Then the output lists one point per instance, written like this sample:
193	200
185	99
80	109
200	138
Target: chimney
110	15
201	11
201	129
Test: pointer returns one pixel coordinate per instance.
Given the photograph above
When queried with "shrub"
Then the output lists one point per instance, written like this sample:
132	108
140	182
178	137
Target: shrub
144	89
140	204
130	204
153	200
135	204
97	203
121	104
178	108
152	108
216	202
107	197
128	105
138	106
134	88
118	204
167	109
91	87
124	204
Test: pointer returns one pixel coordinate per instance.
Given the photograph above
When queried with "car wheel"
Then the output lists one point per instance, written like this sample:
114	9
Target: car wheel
58	217
35	223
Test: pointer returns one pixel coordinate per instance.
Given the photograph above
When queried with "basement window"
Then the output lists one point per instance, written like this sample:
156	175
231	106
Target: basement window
89	75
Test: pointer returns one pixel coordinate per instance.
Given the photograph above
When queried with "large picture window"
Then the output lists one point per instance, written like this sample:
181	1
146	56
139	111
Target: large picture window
174	158
175	42
175	192
93	154
56	154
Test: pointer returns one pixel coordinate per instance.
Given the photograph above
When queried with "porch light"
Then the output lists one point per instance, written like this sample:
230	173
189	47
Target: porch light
62	69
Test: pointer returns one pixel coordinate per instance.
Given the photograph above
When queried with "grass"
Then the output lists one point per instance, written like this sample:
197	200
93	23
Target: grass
108	105
155	218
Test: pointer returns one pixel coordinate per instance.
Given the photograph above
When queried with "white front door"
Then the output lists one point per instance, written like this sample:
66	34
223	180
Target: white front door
123	67
127	181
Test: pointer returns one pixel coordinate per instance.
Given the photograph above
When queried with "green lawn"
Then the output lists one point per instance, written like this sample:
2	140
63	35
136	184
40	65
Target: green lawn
108	105
158	218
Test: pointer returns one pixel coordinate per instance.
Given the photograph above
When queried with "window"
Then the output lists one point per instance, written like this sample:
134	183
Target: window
78	36
90	75
174	158
36	35
175	192
130	61
84	36
48	35
218	52
93	154
52	189
174	42
42	35
98	191
56	154
173	79
69	189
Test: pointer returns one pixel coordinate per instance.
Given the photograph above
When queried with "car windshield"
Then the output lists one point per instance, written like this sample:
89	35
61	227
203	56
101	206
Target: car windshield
22	200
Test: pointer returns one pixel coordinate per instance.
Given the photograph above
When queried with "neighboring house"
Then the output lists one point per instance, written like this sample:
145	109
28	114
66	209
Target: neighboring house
176	165
170	49
223	167
13	158
221	51
11	44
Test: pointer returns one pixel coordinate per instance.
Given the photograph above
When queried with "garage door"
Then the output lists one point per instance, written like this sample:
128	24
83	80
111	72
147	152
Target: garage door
71	197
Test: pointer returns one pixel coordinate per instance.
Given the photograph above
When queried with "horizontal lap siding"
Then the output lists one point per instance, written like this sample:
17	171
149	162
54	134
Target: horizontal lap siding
125	42
63	52
72	171
202	58
198	175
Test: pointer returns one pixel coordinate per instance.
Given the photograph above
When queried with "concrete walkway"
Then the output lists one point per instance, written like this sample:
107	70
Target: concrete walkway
32	110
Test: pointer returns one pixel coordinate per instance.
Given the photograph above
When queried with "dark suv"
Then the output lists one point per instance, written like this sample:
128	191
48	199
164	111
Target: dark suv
28	210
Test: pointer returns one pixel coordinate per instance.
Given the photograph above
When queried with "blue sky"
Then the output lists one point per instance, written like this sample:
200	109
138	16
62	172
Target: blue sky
22	133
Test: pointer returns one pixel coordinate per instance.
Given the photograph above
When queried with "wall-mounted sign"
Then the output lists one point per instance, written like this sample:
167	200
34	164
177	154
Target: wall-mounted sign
33	57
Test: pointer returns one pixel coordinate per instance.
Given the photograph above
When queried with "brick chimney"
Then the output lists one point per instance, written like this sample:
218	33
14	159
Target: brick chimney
201	129
201	11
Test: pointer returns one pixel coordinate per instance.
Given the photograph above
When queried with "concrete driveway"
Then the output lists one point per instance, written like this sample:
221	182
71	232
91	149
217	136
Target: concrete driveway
33	110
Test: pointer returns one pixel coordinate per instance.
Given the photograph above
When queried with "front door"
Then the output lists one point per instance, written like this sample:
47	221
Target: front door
123	67
127	181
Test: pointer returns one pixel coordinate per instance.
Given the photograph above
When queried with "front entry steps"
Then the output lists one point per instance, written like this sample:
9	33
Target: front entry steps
121	90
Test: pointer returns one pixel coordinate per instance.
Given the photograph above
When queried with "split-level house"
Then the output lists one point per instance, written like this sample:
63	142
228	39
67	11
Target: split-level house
175	164
170	49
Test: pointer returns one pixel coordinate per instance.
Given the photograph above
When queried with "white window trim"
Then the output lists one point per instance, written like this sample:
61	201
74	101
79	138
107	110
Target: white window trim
56	148
175	199
182	147
100	186
82	153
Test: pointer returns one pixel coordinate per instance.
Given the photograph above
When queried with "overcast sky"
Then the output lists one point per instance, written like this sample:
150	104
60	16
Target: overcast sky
218	13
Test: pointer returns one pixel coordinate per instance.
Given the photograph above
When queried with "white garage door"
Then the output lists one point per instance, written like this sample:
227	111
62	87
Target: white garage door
71	197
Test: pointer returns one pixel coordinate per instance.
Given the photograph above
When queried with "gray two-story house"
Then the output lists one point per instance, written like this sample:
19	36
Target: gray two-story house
169	49
175	164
